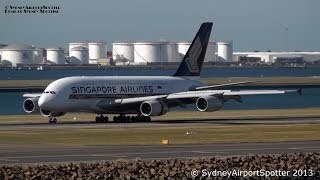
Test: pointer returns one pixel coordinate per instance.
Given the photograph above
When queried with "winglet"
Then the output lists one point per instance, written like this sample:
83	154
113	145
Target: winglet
191	64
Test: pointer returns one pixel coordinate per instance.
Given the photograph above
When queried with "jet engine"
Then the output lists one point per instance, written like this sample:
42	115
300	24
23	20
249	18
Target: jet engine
209	103
153	108
30	105
48	113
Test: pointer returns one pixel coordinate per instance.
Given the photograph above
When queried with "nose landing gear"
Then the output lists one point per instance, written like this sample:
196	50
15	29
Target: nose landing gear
53	120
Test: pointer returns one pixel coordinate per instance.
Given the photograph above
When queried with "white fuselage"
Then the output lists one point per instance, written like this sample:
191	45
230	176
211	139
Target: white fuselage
81	94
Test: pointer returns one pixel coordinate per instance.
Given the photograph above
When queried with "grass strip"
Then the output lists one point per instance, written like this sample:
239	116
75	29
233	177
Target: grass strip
154	135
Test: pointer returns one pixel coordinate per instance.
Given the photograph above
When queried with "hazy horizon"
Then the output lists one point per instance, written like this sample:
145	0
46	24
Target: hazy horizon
285	25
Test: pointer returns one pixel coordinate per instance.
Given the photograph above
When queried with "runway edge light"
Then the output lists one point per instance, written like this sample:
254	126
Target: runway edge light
165	141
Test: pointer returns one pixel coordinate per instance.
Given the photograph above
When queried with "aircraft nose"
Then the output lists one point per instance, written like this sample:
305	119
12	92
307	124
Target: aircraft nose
42	102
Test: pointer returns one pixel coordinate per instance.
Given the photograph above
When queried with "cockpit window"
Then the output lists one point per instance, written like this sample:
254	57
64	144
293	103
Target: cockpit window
49	92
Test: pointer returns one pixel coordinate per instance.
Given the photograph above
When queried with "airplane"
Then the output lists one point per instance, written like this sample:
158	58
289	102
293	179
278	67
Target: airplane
142	96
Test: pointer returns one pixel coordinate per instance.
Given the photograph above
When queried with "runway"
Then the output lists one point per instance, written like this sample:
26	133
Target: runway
158	123
14	154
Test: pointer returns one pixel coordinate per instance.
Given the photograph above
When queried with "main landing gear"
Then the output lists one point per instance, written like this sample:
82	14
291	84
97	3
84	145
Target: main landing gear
127	119
52	120
123	119
102	119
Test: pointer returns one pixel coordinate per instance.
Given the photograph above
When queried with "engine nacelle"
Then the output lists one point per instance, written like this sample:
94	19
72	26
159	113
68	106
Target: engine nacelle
48	113
30	105
209	103
153	108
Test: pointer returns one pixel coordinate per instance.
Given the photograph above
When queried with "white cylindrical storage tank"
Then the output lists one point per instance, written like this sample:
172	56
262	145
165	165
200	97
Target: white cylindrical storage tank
123	51
151	52
76	44
17	54
173	54
38	55
79	55
55	55
183	48
210	55
225	50
97	50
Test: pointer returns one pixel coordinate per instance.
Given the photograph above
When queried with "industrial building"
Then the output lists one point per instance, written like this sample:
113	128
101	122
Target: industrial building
123	51
154	52
143	53
225	51
55	55
273	57
96	50
17	54
79	55
38	55
210	56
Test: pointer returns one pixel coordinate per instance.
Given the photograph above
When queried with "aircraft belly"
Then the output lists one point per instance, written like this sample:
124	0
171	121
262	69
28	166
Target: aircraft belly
121	109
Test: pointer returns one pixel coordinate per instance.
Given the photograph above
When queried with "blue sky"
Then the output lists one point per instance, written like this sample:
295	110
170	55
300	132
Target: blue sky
252	24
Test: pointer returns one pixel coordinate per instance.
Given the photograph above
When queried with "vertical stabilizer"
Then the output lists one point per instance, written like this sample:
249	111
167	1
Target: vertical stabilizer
191	64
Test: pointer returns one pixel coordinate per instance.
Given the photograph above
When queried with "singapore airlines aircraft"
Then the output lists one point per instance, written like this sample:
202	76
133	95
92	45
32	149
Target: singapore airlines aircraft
144	96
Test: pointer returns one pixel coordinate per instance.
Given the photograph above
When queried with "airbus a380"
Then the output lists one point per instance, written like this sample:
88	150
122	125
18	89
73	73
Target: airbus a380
143	96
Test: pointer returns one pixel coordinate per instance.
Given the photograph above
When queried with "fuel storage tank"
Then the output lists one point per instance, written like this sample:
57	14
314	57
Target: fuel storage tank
55	55
79	55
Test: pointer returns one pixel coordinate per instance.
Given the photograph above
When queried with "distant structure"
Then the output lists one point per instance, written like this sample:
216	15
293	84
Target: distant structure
1	46
183	48
79	55
155	52
55	55
77	44
123	51
273	57
144	52
38	54
225	50
173	54
210	53
97	50
17	54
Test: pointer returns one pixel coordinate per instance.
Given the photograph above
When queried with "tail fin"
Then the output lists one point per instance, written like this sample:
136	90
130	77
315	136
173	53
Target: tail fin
192	62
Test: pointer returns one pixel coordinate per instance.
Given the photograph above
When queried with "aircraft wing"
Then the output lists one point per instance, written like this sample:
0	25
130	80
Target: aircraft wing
31	95
196	94
192	95
222	85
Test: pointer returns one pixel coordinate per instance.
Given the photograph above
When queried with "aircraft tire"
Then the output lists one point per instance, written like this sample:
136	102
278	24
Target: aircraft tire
52	120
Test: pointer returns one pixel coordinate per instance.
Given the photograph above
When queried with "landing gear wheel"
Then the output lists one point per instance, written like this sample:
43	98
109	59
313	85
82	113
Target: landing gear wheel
128	119
116	119
106	119
52	120
102	119
97	119
133	118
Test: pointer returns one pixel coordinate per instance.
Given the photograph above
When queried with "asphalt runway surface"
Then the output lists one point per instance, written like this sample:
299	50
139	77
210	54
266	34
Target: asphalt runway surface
158	123
21	154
